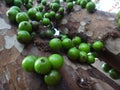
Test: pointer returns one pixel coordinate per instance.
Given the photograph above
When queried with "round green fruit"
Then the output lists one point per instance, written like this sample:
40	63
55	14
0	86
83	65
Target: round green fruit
35	25
55	6
22	16
70	5
84	47
98	45
18	3
76	40
114	74
11	14
32	13
56	61
39	16
25	25
83	3
28	63
23	37
16	8
55	44
73	53
106	67
90	6
42	65
91	59
53	78
46	21
83	56
67	43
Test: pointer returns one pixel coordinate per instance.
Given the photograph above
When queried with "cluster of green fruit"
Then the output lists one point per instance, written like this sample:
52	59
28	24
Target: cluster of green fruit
88	4
19	3
113	73
47	66
46	14
118	15
76	49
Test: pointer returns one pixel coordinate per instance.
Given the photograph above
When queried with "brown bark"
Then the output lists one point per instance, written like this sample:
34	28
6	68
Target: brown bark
96	26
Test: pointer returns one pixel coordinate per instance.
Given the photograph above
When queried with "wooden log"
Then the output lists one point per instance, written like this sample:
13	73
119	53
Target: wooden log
96	26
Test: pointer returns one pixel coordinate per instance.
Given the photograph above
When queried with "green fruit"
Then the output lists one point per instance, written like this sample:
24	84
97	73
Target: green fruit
67	43
55	44
114	74
30	1
53	78
55	6
16	8
37	8
11	14
28	5
73	53
47	15
83	3
78	2
58	16
18	3
44	2
42	34
98	45
83	56
32	13
90	6
91	59
69	5
42	65
84	47
61	10
57	1
106	67
46	21
25	25
22	16
40	8
56	61
35	25
39	16
33	34
52	14
49	34
76	40
63	36
24	37
28	63
88	1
